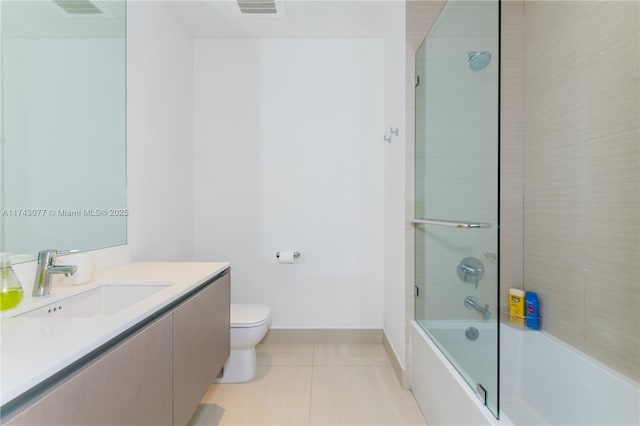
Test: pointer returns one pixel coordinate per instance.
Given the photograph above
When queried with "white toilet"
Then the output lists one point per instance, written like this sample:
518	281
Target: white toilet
249	324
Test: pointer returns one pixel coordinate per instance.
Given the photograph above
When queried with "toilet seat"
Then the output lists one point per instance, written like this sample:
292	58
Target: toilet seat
243	316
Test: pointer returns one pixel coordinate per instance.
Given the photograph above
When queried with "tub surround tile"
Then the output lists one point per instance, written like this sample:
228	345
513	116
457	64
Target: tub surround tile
582	180
511	149
420	16
613	74
612	289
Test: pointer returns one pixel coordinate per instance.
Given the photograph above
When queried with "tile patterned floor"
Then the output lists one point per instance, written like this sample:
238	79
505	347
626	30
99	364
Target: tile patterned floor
321	384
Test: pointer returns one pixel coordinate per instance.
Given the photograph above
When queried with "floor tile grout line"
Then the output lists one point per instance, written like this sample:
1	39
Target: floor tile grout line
313	366
365	365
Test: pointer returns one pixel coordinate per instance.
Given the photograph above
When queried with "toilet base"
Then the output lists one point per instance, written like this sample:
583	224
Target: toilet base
240	366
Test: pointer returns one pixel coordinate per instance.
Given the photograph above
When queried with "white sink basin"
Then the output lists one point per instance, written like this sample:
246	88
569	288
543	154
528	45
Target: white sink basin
104	300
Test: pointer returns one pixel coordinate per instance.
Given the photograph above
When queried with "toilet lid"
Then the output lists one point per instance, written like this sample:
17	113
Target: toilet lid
249	315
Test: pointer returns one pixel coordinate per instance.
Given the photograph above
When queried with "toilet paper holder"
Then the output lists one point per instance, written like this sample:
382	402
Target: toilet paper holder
296	254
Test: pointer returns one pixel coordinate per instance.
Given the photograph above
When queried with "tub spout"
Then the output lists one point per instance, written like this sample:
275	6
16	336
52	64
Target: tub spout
471	302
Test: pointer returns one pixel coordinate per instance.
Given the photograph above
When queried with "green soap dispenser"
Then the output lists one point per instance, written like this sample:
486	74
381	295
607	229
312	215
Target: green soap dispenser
10	288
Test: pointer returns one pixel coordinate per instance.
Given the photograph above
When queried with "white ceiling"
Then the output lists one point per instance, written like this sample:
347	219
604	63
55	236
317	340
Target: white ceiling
304	19
208	19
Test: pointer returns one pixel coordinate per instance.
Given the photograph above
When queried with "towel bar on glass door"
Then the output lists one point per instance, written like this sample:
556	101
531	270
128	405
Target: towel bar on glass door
450	223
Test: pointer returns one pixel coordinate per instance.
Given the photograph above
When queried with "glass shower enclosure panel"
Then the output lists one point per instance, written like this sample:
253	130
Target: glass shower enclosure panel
456	191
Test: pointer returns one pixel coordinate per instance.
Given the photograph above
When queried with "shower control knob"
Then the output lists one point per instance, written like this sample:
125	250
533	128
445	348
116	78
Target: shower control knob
470	270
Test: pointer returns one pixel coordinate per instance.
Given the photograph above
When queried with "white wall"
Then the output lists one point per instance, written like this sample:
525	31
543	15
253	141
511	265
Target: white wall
159	134
394	182
288	154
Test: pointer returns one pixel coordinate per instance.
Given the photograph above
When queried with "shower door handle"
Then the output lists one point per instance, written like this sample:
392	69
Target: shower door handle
451	223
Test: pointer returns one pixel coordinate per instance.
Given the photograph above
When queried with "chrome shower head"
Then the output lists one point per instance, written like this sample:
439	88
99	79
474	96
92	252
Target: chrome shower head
478	60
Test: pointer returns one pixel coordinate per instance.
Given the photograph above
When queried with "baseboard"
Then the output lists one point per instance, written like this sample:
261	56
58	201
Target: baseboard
395	363
323	335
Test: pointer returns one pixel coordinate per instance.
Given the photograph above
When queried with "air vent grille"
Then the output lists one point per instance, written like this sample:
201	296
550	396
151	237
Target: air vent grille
258	7
78	7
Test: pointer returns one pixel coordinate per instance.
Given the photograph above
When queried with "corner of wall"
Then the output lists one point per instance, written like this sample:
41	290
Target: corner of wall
159	134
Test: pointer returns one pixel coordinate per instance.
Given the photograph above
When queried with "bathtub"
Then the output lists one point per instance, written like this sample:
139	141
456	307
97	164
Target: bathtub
559	386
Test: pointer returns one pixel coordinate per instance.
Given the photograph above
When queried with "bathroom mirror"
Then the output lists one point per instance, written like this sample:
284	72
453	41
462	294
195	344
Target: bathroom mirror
63	152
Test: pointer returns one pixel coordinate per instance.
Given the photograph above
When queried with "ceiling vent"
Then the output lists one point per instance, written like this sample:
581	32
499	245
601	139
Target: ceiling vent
261	7
78	7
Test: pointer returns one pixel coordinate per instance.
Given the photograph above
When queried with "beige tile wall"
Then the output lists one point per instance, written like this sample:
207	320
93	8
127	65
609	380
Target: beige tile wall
511	147
575	240
582	174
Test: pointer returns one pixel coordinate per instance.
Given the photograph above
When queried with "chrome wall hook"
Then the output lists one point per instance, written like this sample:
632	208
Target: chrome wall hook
392	132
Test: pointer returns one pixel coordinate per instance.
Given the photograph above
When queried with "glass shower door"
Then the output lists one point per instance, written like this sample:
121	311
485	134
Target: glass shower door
456	191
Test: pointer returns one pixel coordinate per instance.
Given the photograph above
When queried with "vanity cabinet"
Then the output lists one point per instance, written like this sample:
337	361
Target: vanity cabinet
130	384
155	376
201	346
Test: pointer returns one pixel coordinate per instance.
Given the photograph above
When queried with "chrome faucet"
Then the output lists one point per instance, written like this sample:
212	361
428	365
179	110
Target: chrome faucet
471	302
46	268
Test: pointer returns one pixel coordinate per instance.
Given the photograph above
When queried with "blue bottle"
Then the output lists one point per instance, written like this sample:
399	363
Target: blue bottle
532	310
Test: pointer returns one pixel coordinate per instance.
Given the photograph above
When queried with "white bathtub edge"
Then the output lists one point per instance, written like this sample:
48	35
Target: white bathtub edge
443	396
542	381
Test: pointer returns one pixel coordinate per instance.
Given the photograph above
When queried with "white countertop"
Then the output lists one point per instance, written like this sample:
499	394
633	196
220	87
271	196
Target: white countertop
34	349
